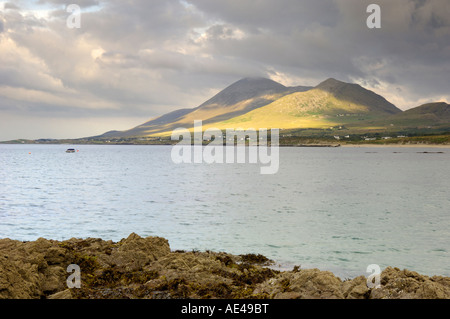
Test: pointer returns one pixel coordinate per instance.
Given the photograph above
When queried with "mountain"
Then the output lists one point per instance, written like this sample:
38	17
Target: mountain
263	103
239	98
430	114
330	103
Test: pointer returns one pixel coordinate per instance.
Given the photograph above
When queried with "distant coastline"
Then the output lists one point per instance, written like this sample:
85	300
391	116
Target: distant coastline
444	146
439	140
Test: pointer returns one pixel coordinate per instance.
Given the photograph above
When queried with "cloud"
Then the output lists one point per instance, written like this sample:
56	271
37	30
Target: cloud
140	59
331	37
81	3
11	6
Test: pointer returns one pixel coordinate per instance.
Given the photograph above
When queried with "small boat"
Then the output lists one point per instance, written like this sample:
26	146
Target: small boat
70	150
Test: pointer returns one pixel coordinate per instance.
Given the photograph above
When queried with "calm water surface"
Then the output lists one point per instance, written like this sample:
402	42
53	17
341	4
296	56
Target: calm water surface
337	209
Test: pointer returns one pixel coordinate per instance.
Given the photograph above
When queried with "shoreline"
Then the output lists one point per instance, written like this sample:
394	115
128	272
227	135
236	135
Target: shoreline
398	145
146	268
312	145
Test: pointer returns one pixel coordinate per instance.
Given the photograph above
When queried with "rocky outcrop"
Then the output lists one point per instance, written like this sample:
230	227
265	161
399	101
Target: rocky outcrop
137	267
305	284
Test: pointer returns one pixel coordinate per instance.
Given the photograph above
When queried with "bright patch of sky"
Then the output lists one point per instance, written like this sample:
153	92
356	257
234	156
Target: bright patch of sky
41	9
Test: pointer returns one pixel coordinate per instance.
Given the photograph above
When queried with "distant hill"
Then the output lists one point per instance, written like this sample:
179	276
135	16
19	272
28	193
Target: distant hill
438	112
430	114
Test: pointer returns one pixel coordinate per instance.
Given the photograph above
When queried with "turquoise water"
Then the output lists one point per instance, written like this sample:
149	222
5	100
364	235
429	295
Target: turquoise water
338	209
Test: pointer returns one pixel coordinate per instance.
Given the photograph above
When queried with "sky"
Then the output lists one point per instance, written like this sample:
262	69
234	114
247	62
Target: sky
130	61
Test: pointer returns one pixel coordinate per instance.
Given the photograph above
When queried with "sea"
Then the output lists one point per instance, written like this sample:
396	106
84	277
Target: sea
338	209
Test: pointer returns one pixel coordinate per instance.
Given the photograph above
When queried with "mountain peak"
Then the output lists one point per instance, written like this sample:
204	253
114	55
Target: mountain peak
257	82
331	84
254	78
331	81
244	89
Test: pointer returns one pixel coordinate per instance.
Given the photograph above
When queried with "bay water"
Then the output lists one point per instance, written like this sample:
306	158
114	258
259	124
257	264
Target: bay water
337	209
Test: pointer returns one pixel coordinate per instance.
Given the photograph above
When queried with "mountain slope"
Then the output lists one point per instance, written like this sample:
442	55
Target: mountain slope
239	98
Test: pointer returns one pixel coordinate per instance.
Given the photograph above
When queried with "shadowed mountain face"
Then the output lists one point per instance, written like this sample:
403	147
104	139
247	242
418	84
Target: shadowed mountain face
239	98
247	88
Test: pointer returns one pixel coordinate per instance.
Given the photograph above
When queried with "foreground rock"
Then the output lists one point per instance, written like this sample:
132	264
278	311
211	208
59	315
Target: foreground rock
146	268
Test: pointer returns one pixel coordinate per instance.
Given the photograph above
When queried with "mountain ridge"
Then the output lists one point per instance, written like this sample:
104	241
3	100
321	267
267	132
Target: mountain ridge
261	102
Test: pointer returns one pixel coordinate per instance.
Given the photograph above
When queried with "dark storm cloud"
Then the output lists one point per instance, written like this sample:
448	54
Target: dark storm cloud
332	37
275	16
